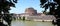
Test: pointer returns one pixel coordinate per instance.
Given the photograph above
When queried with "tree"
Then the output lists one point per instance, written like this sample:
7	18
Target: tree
54	8
5	7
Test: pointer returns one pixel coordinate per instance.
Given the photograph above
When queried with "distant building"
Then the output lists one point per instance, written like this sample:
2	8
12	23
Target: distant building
41	18
31	14
31	11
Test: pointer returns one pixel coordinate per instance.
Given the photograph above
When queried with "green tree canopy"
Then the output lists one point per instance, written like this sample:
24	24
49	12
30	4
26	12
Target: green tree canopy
5	7
54	8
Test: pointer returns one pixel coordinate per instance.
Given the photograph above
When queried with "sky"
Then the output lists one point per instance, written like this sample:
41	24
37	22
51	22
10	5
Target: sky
23	4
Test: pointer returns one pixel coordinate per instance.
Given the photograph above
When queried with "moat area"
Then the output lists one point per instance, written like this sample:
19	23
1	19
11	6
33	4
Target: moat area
30	23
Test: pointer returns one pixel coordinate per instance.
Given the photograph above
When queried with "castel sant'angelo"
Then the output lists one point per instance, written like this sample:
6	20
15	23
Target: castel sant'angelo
31	11
31	14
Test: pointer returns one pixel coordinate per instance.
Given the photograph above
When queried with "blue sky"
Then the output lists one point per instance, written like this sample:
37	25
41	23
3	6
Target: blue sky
23	4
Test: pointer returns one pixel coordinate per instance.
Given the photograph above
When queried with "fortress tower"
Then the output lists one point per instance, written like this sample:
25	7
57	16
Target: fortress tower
31	11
